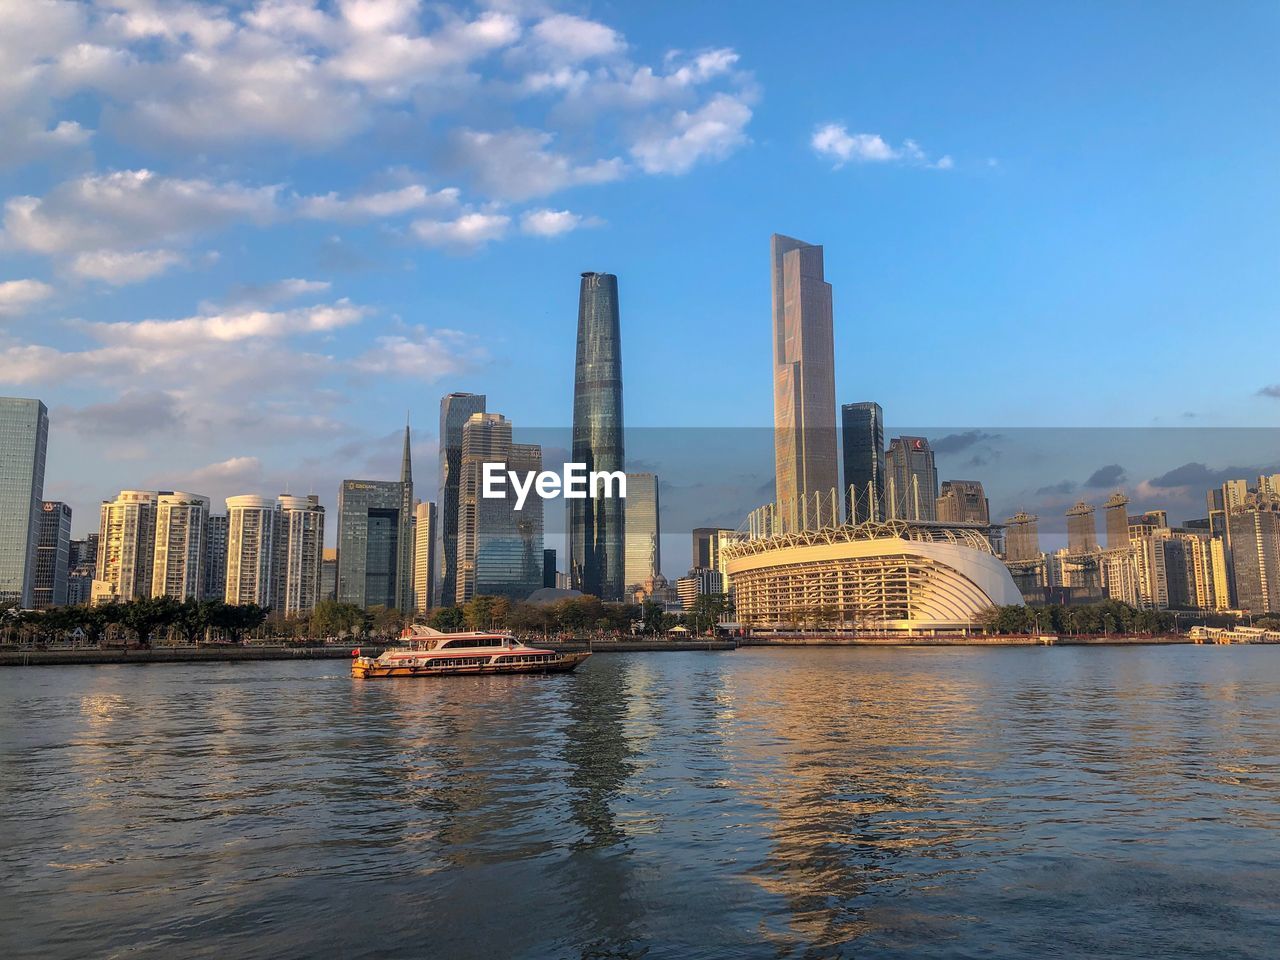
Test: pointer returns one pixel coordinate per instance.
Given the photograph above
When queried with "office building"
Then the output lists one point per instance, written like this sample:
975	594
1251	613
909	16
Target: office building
804	395
215	557
455	410
299	552
126	547
911	480
83	569
329	574
24	439
499	547
375	540
53	555
962	501
548	568
643	530
704	545
596	535
424	555
178	563
252	528
862	430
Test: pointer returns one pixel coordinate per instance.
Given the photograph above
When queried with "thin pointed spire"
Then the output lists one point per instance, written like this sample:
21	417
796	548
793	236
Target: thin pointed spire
406	464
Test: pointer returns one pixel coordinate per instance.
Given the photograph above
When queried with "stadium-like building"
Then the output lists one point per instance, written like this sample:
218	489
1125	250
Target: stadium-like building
895	577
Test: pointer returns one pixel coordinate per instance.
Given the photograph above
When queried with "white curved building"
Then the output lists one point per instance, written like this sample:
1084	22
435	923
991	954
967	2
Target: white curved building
894	577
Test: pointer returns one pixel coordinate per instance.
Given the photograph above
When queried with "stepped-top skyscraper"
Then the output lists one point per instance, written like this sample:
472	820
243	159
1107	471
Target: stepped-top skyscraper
455	410
596	531
804	391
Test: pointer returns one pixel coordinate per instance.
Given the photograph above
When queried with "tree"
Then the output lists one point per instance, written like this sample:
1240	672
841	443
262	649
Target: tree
652	615
447	619
236	621
706	611
333	619
484	612
145	616
192	619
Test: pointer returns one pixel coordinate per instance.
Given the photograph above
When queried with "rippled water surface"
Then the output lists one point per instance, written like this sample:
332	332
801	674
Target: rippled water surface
762	803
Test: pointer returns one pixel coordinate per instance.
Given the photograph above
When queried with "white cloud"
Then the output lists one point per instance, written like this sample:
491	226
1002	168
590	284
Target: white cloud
709	133
119	268
422	354
229	326
833	141
17	296
388	203
563	37
517	164
551	223
468	232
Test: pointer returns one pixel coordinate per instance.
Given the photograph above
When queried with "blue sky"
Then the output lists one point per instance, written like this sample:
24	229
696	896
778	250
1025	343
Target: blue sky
240	240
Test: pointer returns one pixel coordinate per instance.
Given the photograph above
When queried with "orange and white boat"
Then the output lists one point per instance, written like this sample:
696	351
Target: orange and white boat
424	652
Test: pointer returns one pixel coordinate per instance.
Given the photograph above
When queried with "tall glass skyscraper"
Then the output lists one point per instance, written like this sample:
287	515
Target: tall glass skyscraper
862	426
53	555
596	525
455	410
804	391
912	480
375	540
644	551
24	437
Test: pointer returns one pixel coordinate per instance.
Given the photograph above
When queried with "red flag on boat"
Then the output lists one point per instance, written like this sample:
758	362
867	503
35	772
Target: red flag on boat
355	652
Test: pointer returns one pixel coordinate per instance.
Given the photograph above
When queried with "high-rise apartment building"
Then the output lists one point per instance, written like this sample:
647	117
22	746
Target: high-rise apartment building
455	410
375	540
252	527
424	554
804	393
643	530
53	555
215	557
299	552
962	501
596	535
126	547
499	547
1255	555
178	565
912	480
862	430
24	439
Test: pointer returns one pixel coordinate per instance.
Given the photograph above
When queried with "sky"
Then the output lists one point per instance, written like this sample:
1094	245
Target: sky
240	242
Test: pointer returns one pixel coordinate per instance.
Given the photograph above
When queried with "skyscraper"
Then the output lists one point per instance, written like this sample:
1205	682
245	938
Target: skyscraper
299	551
126	547
862	426
455	410
912	481
962	501
499	547
643	530
424	555
24	438
1023	542
53	555
252	527
178	567
704	545
1255	555
215	557
804	393
1116	511
596	525
375	540
1082	530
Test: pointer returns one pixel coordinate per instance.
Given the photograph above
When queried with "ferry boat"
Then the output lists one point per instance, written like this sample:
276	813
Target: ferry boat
425	652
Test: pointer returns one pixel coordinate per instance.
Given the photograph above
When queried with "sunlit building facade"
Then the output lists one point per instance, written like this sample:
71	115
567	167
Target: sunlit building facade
178	565
424	554
912	480
126	547
455	410
299	552
643	530
252	527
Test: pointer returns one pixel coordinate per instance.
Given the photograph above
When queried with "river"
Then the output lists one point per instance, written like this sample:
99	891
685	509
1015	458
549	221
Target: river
904	802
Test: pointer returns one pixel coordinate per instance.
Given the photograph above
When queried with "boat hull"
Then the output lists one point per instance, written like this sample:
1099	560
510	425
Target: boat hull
379	671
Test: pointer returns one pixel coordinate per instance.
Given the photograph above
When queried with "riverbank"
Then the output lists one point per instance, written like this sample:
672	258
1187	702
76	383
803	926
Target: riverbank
963	641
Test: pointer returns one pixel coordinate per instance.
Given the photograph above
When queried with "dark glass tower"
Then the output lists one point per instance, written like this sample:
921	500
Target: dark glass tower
862	426
455	410
596	532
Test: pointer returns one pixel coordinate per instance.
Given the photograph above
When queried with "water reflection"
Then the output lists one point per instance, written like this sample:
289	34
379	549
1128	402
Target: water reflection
759	804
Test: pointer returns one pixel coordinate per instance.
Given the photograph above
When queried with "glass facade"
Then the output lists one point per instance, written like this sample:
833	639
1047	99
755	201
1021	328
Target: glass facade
53	555
455	410
862	426
372	528
596	525
804	392
912	480
24	437
644	552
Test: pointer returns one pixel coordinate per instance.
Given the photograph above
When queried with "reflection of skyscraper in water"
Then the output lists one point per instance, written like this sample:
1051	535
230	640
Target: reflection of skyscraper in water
596	533
862	426
455	410
804	395
912	480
